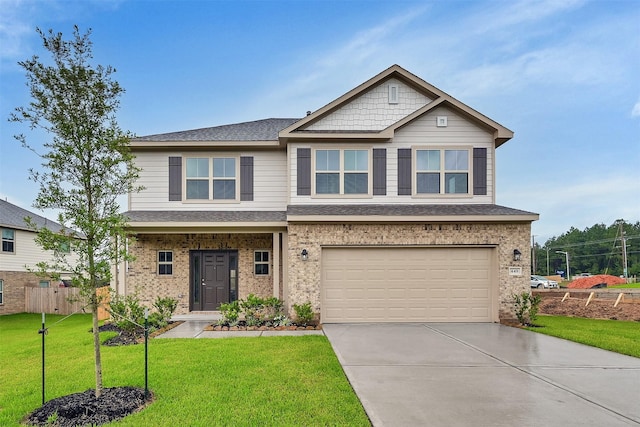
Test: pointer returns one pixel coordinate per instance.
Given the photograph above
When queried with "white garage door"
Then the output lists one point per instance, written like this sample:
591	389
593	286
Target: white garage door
396	284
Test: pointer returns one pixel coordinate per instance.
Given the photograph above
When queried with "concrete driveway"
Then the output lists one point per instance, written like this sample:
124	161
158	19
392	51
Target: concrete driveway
439	374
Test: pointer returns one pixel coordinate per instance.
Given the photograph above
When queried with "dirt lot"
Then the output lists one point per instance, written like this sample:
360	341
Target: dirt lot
597	309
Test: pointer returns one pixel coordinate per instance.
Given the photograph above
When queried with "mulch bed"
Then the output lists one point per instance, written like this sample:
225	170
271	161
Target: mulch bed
131	337
84	409
243	327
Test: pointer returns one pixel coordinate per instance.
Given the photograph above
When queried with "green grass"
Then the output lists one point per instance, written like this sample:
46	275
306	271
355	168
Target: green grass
614	335
195	382
627	286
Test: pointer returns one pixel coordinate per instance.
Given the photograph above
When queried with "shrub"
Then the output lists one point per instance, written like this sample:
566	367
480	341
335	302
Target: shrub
128	314
304	313
253	308
126	311
230	313
526	307
166	307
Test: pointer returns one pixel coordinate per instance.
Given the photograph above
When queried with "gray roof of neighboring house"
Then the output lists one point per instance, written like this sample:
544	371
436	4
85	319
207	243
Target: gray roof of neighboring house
206	216
406	210
259	130
12	216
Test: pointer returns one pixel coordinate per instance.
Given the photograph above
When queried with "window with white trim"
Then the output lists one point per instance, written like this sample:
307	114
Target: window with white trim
1	291
342	171
261	263
213	178
165	263
8	240
442	171
44	283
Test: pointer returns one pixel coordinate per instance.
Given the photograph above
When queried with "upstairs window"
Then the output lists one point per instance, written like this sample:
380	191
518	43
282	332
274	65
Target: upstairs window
8	240
211	178
442	171
342	172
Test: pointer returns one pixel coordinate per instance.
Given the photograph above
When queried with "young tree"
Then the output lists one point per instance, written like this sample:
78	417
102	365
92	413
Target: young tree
87	163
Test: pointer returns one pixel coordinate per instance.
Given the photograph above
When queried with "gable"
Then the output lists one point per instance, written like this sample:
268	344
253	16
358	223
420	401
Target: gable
375	109
368	112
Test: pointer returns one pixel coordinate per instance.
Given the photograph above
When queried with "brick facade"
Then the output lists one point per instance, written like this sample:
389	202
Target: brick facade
13	283
143	280
304	276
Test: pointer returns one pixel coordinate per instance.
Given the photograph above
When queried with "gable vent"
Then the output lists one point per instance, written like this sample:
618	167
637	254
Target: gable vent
393	94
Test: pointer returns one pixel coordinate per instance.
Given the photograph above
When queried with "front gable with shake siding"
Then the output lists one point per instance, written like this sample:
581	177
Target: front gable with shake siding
378	207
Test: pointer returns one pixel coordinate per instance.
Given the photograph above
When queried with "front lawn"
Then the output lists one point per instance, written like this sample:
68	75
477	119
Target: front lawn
195	382
614	335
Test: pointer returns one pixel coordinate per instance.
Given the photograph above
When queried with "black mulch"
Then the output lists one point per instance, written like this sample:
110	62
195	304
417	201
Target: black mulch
123	337
83	409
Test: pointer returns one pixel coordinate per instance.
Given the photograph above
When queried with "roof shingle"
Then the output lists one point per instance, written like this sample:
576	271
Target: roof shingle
259	130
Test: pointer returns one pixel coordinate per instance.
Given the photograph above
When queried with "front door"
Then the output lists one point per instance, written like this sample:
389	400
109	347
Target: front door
211	274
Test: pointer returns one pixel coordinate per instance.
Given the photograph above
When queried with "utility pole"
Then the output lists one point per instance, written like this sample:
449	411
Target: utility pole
533	254
548	272
624	253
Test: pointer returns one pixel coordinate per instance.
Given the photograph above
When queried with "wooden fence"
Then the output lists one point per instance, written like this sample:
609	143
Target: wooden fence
57	301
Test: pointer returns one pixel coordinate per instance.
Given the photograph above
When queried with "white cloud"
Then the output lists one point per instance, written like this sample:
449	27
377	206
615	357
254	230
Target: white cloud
635	111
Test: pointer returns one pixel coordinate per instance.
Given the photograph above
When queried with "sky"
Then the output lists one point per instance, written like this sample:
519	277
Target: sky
563	75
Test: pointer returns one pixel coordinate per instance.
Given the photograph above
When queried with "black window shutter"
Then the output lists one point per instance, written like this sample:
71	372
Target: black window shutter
304	172
480	171
404	171
379	171
175	178
246	178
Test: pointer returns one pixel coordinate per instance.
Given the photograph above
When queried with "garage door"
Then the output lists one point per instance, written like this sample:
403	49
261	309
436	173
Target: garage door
395	284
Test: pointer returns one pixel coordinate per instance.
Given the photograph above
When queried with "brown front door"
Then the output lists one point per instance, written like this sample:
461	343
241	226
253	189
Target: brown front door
210	279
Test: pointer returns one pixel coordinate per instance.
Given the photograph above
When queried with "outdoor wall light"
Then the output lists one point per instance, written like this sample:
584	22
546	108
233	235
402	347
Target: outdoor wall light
516	255
304	255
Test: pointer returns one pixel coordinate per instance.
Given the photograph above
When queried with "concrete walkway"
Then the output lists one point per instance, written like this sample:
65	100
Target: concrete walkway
484	375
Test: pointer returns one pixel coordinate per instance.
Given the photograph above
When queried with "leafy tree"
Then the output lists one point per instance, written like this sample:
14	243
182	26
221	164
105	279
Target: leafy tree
87	163
595	249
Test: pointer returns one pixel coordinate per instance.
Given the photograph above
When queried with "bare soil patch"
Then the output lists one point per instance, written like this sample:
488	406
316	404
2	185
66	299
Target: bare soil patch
597	309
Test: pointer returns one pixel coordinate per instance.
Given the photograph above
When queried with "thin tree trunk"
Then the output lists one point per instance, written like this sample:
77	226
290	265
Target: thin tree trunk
96	347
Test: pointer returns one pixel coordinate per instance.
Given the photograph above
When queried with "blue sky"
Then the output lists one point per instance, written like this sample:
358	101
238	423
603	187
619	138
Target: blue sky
563	75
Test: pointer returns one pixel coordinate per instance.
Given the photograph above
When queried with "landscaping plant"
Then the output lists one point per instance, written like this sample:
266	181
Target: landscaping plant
304	313
526	307
86	165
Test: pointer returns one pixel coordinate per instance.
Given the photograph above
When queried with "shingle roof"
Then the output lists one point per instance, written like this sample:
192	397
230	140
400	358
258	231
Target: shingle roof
259	130
206	216
399	211
406	210
13	216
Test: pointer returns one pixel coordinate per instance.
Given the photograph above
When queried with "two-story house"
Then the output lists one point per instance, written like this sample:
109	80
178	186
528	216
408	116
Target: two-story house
379	207
20	254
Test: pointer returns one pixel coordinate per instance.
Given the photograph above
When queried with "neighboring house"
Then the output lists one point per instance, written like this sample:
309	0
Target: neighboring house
19	254
379	207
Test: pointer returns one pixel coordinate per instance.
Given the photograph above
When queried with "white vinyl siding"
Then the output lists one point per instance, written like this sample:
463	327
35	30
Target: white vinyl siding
421	133
27	253
269	188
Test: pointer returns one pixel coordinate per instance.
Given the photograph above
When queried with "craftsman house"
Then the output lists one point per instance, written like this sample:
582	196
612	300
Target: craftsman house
20	254
378	207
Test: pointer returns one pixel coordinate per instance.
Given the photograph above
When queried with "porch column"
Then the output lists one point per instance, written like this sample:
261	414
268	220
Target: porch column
276	265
